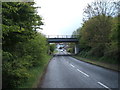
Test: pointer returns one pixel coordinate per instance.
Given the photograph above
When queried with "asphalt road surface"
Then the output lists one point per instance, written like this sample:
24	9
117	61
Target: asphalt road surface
62	53
67	72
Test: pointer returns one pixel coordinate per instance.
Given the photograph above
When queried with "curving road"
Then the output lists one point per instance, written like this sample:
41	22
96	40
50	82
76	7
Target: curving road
67	72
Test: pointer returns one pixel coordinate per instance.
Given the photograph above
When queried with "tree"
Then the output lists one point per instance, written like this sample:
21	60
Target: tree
20	21
100	7
97	26
112	48
23	47
98	36
96	31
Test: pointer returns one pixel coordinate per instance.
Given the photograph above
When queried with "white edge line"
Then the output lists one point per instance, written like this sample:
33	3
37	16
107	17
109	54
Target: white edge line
83	73
103	85
72	65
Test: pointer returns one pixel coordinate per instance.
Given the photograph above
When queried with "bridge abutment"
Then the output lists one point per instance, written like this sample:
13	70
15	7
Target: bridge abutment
76	49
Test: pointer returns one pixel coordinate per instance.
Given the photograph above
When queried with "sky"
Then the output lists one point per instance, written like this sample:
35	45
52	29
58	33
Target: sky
61	17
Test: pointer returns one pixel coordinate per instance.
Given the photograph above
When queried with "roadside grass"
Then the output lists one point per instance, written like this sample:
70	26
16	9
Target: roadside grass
36	73
55	51
99	63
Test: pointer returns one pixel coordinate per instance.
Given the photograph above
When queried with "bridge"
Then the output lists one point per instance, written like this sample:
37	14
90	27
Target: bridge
64	38
61	38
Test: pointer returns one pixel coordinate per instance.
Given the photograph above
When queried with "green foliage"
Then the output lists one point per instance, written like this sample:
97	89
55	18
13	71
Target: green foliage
23	47
17	65
97	51
52	48
112	47
20	21
70	50
14	72
98	37
96	30
35	74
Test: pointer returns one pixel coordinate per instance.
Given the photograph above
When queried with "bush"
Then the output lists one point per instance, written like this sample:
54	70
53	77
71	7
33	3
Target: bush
16	65
14	73
23	47
52	48
97	51
70	50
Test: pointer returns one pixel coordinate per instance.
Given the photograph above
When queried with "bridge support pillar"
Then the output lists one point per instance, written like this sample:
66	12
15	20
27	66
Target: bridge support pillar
76	49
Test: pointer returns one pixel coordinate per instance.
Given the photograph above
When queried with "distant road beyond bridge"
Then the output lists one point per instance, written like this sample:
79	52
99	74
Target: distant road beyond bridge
64	38
61	38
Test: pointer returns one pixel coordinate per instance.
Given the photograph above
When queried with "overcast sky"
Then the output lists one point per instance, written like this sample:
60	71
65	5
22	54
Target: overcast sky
61	17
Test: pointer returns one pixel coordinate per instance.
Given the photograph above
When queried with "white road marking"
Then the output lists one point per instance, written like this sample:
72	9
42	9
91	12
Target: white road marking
72	65
65	60
103	85
83	73
78	69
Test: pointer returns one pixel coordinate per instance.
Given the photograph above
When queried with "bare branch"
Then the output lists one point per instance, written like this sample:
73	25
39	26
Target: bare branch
101	7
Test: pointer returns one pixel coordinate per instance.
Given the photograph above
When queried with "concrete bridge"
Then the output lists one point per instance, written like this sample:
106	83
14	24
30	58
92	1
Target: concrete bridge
62	39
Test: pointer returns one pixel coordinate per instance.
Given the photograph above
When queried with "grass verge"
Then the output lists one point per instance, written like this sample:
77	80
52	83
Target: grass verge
55	51
99	63
36	73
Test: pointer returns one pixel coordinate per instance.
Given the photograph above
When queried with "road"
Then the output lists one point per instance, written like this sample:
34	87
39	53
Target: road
62	53
67	72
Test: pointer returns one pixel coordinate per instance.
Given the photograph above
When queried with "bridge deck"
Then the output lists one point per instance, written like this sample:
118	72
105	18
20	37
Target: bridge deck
58	40
61	38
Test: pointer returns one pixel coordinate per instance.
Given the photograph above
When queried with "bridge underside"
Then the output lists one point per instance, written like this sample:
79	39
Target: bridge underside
66	40
60	40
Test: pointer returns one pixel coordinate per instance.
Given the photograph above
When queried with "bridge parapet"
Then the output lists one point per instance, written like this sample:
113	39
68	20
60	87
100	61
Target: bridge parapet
61	36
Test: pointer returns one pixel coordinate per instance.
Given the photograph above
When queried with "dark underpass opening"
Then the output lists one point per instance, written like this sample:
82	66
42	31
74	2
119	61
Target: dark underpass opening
66	45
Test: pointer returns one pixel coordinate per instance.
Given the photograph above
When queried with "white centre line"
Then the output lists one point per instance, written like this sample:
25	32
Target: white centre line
103	85
83	73
72	65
